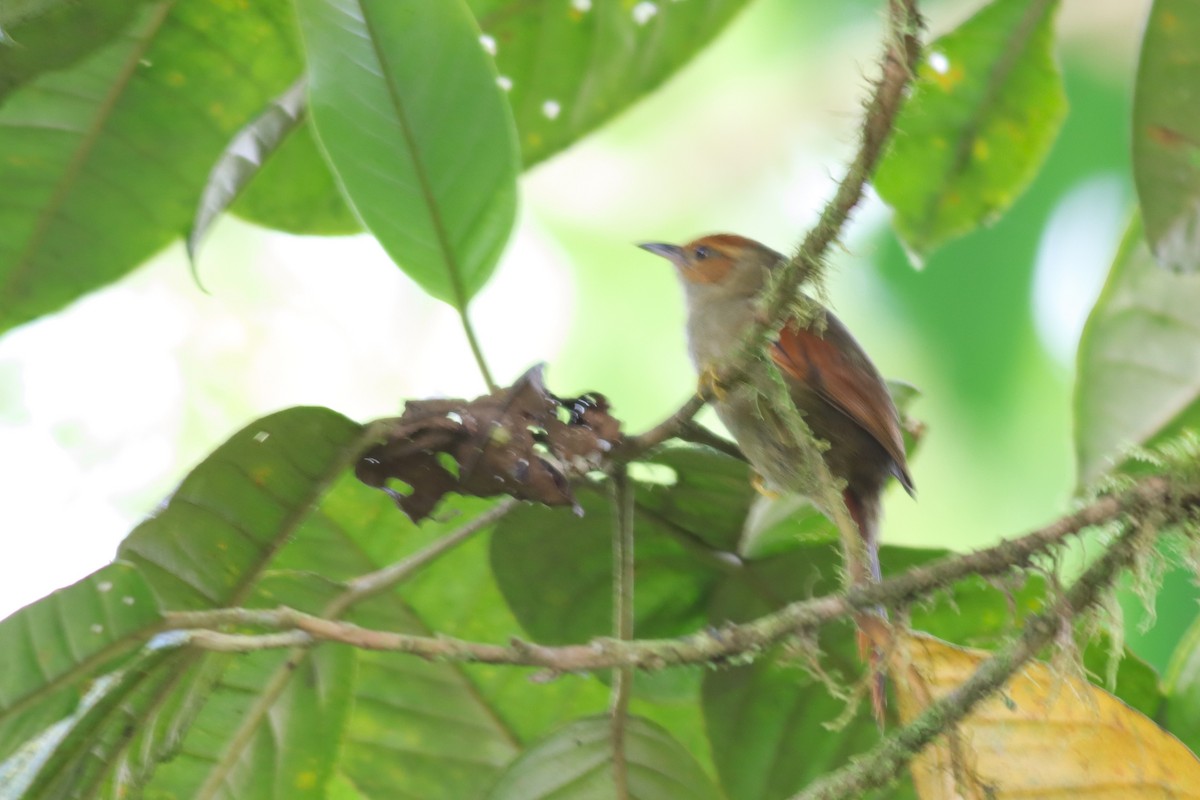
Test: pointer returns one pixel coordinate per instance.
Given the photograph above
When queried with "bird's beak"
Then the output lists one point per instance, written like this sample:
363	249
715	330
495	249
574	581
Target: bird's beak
671	252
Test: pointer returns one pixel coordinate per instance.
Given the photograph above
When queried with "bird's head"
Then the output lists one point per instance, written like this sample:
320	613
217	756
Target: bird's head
721	263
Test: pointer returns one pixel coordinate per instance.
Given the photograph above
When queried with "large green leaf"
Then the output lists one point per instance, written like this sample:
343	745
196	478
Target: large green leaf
556	571
405	103
266	728
49	649
106	159
1138	371
241	727
55	36
208	547
230	516
987	104
459	596
588	60
417	729
575	763
73	758
420	729
1182	680
1166	133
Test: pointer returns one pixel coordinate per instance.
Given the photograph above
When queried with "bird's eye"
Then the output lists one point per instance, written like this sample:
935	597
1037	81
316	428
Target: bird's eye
701	253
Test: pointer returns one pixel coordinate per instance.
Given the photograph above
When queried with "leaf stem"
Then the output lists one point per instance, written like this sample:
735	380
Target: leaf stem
476	350
373	583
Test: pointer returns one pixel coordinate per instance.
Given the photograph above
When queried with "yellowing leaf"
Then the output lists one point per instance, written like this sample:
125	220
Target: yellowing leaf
1046	734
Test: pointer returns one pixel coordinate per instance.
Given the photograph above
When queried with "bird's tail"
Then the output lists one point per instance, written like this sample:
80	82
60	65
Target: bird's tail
866	517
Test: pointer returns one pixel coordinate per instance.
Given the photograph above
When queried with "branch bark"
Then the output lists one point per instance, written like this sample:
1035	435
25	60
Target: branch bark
201	628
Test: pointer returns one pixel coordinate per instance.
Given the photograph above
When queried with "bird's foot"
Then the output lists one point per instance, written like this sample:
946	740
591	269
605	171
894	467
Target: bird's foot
760	485
710	384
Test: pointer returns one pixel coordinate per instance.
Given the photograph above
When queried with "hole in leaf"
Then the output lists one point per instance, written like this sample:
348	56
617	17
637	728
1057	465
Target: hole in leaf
655	474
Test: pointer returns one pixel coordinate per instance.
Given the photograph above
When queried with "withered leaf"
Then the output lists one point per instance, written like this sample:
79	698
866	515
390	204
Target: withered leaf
1046	734
513	441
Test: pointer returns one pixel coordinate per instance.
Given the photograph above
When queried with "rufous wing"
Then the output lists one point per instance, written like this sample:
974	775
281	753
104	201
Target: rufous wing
834	366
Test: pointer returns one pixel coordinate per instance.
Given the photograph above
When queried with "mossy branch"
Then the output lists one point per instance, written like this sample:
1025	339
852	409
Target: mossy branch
899	64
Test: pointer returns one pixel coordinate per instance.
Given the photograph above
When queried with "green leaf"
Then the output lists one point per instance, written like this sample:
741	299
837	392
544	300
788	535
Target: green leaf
294	191
72	758
417	729
57	37
106	158
575	763
573	66
14	12
248	154
764	718
244	157
271	722
987	104
1182	686
208	547
50	648
1138	369
1166	133
592	63
458	596
230	516
555	570
405	103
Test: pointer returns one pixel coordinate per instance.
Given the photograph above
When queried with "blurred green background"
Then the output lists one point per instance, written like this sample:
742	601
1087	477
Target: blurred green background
110	401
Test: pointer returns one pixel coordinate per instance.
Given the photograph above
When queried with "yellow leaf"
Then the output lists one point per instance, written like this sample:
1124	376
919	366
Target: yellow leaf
1045	734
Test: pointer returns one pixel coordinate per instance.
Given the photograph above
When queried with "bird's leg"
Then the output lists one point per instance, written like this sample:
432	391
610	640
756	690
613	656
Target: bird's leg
710	383
760	485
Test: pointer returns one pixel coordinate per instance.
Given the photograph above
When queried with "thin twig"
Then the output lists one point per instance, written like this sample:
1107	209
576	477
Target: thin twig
623	582
884	762
694	432
373	583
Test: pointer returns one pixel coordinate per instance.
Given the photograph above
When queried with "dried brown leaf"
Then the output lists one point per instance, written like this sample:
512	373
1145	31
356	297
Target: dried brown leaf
513	441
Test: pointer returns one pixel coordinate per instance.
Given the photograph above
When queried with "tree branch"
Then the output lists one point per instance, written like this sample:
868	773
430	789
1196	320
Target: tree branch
704	647
373	583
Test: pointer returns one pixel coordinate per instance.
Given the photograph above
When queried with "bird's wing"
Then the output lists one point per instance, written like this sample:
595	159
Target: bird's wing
836	368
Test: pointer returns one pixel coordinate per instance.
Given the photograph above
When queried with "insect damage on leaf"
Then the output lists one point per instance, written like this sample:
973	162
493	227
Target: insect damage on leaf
521	441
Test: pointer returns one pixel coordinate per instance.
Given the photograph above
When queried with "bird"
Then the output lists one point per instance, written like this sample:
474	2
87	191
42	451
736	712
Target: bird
828	378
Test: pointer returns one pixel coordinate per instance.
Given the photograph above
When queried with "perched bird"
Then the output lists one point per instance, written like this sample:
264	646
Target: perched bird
828	377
